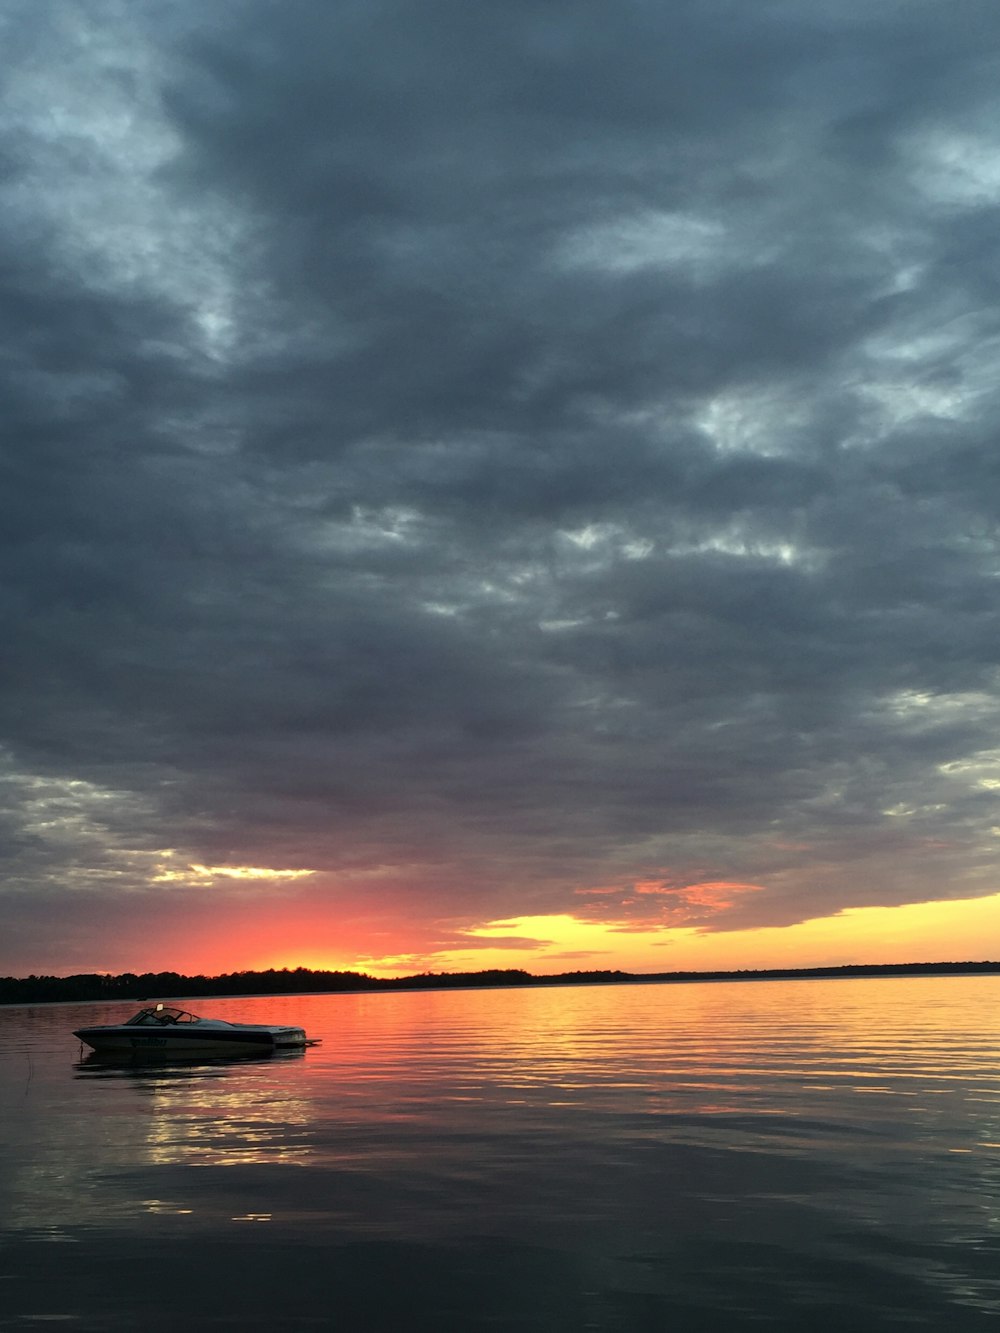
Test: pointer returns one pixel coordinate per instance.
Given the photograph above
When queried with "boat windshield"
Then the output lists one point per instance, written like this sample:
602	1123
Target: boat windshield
160	1016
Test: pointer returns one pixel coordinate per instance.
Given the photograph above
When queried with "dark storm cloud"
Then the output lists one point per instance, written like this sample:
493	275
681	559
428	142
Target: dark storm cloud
533	450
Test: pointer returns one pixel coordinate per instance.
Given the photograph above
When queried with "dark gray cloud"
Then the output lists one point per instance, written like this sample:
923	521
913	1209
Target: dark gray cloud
483	456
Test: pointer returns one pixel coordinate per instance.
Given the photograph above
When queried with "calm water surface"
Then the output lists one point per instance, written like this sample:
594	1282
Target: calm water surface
729	1156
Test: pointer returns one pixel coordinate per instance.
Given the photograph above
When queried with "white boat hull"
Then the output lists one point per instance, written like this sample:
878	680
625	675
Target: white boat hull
193	1043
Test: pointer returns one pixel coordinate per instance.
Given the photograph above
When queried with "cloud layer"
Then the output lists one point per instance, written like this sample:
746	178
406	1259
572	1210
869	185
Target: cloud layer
497	460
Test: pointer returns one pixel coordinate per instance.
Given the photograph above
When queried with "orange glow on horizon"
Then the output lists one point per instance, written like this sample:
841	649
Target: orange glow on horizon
941	931
210	936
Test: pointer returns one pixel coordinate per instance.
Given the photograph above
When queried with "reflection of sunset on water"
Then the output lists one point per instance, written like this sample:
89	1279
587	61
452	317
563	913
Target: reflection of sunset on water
250	1116
609	1117
664	1044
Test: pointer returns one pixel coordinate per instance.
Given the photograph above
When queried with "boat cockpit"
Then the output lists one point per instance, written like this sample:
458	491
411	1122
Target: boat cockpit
160	1016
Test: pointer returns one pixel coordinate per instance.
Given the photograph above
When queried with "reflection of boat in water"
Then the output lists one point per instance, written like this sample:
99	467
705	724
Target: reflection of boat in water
160	1064
163	1030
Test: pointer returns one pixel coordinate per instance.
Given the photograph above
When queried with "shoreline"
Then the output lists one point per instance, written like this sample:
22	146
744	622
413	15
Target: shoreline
89	987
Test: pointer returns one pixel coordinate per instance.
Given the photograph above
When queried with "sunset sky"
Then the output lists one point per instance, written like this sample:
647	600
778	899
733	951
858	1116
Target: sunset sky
499	485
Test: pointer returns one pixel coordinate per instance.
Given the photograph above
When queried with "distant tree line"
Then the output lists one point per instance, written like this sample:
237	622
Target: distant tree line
86	986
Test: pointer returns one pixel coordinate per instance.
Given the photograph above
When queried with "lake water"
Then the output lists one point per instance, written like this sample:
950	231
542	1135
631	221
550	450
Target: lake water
705	1158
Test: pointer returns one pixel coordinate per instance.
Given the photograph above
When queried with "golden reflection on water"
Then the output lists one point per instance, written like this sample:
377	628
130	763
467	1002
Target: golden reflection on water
912	1028
742	1146
908	1060
227	1122
755	1048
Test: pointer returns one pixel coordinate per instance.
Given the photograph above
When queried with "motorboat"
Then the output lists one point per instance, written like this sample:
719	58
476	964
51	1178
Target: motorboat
163	1029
